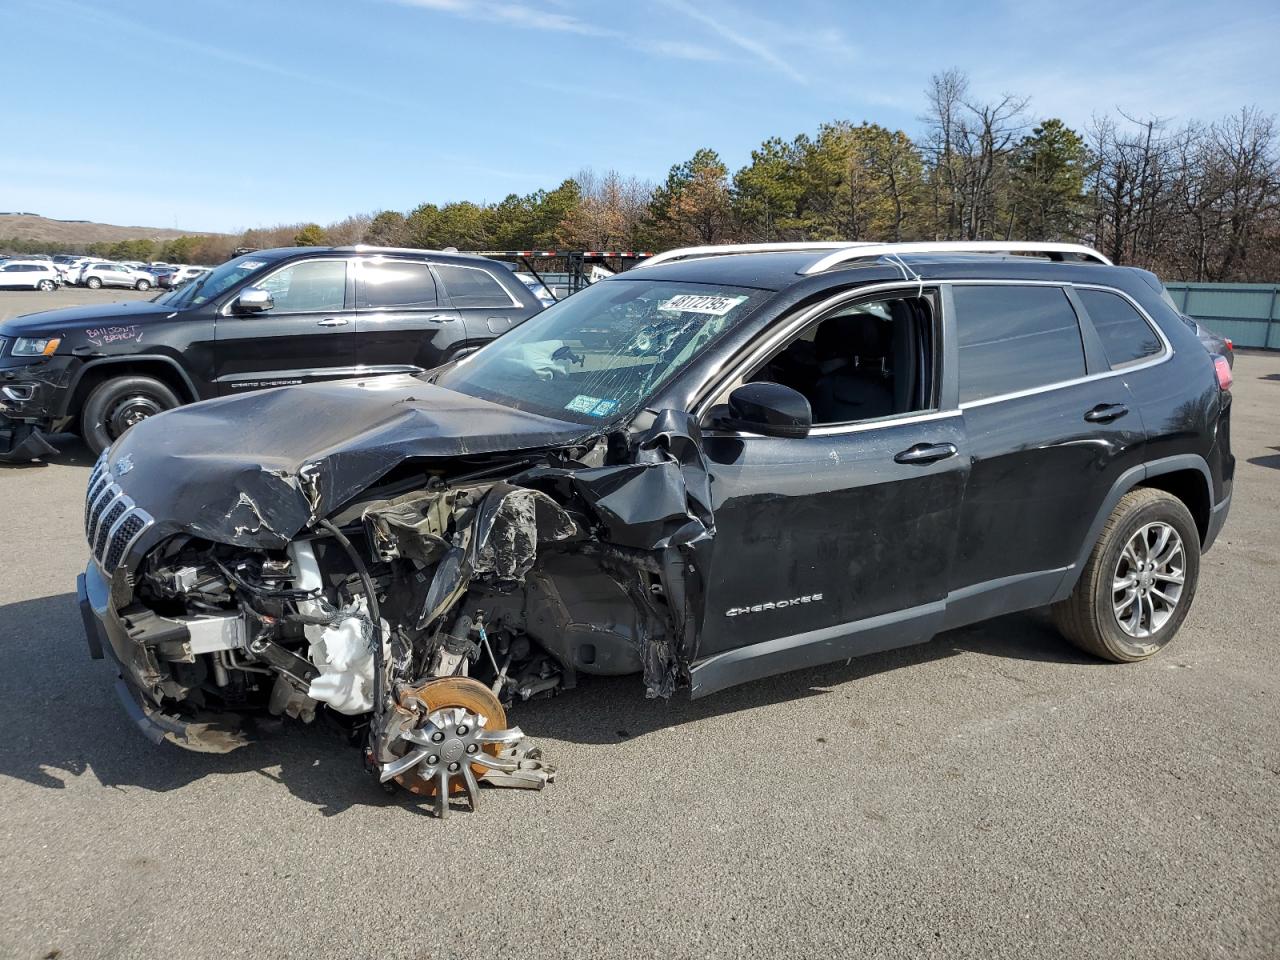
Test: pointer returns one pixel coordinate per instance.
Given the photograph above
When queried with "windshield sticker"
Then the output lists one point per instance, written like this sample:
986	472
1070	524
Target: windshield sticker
250	264
582	403
591	406
700	303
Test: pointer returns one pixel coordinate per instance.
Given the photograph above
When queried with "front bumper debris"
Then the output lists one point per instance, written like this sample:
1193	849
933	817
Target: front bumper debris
105	634
22	442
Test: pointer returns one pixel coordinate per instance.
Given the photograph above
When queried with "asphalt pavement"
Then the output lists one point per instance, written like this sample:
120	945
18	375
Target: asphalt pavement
993	793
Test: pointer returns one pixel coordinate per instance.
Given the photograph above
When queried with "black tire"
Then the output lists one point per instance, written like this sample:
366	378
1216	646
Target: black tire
142	285
46	286
93	283
116	404
1088	617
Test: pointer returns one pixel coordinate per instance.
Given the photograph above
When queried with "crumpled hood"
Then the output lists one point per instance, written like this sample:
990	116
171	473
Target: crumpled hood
82	318
258	468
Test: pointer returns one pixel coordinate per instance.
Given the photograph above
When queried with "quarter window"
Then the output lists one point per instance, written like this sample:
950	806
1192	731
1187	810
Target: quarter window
472	287
1015	338
1125	335
395	283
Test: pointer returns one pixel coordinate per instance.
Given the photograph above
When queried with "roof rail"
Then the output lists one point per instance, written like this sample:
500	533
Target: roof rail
718	249
871	251
373	248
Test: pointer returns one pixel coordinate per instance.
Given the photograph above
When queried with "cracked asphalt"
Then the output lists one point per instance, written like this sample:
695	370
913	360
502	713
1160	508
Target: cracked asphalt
991	794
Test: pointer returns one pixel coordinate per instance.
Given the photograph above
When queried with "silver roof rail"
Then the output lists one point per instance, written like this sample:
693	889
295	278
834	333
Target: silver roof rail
870	251
372	248
721	249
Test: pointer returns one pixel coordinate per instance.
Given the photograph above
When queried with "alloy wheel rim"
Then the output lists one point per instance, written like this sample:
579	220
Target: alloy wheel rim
1149	579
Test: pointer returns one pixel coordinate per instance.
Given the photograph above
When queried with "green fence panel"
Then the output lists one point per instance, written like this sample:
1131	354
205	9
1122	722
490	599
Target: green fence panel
1248	313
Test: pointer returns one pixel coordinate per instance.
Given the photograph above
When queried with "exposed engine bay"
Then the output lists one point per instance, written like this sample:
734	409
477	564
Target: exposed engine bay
420	610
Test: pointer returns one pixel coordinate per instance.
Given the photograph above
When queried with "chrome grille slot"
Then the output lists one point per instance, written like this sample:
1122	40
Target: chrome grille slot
112	521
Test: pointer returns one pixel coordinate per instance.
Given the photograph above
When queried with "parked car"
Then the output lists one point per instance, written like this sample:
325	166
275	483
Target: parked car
783	456
164	276
96	275
29	275
181	275
274	317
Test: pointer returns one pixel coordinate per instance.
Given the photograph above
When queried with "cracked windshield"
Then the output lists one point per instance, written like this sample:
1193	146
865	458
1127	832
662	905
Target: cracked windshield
603	352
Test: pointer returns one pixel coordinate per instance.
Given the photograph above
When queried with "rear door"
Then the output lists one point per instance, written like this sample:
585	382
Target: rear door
488	309
401	326
308	335
1050	429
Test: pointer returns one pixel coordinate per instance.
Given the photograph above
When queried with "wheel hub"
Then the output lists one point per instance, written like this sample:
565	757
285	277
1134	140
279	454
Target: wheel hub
456	736
1148	580
130	412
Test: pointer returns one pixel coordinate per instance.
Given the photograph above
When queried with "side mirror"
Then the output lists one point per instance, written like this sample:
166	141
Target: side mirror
769	409
254	300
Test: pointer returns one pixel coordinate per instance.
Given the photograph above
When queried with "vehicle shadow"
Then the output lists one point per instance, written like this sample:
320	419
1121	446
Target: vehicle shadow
63	721
1271	460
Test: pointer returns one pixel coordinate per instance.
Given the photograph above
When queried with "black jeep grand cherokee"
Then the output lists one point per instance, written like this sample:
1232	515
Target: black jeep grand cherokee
266	319
770	458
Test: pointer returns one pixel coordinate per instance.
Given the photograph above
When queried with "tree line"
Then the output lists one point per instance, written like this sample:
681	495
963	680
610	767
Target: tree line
1192	201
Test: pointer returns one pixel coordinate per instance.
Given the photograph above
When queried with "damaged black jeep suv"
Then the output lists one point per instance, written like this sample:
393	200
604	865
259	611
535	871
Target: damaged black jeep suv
269	318
721	465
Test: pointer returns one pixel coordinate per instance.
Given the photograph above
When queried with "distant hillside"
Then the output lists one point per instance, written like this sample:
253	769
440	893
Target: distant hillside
30	227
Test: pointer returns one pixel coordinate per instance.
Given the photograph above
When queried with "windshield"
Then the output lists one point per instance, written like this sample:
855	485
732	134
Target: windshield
205	288
603	352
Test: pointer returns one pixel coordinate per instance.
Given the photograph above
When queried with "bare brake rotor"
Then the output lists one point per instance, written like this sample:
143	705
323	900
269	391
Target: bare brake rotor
459	737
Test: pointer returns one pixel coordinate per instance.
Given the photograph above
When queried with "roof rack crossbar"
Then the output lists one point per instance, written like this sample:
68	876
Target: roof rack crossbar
719	249
871	251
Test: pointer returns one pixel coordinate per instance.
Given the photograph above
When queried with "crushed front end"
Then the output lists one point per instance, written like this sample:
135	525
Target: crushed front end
413	612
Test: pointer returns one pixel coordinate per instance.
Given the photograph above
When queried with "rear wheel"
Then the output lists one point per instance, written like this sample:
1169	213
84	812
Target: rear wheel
1138	584
142	285
93	283
120	403
46	286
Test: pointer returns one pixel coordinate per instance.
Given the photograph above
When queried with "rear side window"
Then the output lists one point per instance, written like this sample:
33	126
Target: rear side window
395	283
1015	338
472	287
1125	335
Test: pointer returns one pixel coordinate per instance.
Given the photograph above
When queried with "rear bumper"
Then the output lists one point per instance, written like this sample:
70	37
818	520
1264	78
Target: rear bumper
137	672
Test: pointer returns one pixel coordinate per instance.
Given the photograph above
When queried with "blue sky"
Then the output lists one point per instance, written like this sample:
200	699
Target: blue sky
224	114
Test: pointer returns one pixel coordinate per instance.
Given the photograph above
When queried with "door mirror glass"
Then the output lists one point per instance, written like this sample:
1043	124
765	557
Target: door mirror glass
769	409
254	300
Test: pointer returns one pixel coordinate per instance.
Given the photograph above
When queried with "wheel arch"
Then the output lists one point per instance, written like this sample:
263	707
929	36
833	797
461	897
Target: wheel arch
164	369
1185	476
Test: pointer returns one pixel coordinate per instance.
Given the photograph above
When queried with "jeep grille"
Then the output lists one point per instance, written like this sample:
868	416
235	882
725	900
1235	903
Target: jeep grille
112	521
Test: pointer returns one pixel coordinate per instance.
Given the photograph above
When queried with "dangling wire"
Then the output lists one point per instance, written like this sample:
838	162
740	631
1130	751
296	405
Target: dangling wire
907	272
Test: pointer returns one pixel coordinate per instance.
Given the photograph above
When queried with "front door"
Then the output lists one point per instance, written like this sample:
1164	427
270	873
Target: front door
841	543
307	336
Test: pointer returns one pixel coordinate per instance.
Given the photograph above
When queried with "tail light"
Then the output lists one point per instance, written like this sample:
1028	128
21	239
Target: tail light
1230	346
1223	370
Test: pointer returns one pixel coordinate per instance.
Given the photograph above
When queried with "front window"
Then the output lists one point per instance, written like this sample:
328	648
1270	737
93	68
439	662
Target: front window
603	352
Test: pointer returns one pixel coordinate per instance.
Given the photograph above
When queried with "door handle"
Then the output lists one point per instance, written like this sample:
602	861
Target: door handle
923	453
1106	412
339	322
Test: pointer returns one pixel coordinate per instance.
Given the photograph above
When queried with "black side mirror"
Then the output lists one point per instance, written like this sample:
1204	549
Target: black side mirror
769	409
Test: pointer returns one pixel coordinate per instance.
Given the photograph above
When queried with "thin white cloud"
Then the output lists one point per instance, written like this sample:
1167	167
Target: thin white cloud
758	49
515	14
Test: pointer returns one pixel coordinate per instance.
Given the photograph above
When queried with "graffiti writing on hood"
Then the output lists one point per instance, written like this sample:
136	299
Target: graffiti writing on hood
101	336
